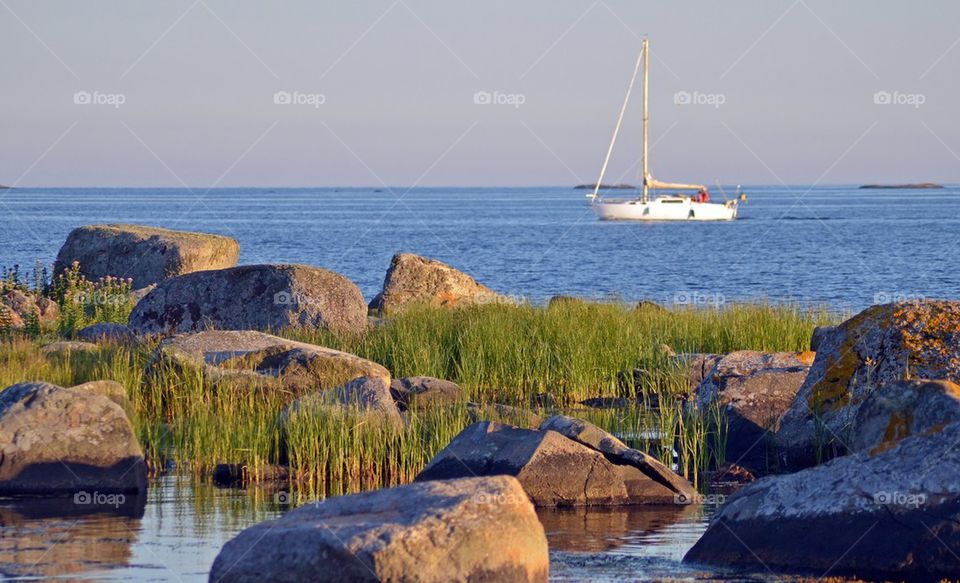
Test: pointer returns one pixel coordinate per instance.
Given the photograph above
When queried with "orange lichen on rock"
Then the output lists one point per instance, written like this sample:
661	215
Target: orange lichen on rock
807	356
898	428
930	332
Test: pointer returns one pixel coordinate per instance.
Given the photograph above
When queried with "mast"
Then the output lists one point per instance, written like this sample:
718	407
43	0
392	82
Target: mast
646	115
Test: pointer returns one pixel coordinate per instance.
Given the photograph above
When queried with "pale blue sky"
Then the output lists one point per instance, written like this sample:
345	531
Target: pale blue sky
796	79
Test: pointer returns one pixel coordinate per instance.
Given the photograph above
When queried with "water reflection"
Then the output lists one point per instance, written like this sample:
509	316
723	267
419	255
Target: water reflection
56	537
597	530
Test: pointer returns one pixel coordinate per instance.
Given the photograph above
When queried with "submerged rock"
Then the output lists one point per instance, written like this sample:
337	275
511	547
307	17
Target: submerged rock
882	344
245	357
895	514
146	255
252	297
412	280
56	440
421	393
553	469
474	529
753	390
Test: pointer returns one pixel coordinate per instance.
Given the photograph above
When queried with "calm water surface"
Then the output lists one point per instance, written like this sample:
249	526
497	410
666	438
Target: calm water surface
840	246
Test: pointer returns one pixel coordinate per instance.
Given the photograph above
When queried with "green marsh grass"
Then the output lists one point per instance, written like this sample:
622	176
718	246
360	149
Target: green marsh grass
497	353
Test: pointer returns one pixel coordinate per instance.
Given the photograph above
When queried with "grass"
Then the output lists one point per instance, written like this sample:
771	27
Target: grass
505	354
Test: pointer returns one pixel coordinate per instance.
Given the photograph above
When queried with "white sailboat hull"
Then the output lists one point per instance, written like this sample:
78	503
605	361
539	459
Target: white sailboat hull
664	209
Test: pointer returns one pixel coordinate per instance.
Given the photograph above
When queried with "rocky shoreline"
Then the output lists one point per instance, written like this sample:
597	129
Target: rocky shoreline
853	439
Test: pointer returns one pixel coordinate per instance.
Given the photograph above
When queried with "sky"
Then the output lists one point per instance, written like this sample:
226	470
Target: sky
210	93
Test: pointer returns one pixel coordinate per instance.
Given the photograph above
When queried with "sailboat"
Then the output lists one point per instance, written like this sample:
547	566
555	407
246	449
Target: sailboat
674	206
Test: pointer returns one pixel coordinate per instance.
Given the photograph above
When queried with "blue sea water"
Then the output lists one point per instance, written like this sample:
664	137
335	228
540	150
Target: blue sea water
836	246
839	246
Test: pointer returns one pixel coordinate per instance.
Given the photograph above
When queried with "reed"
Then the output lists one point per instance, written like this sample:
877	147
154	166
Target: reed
497	353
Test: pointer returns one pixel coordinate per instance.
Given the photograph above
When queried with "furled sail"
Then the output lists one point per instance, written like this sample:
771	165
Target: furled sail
653	183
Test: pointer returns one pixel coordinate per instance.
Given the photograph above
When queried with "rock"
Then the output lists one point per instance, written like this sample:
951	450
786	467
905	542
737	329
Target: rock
894	515
502	413
754	390
238	475
561	300
252	297
819	334
146	255
420	393
366	395
553	469
903	408
882	344
112	390
66	347
413	280
246	357
56	440
649	305
475	529
18	305
731	474
616	451
606	402
107	331
698	365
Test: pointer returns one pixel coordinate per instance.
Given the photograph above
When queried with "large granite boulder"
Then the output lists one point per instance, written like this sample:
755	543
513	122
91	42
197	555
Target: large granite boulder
474	529
882	344
412	279
245	357
894	515
146	255
367	396
698	366
616	451
252	297
421	393
56	440
753	390
16	307
900	409
553	469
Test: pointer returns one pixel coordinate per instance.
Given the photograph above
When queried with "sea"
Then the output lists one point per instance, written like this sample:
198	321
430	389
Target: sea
837	247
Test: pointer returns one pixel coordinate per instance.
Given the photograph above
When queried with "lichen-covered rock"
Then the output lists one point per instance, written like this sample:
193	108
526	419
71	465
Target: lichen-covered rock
882	344
412	279
474	529
17	307
820	333
502	413
753	390
55	440
892	515
590	435
246	357
553	469
900	409
698	365
107	332
144	254
252	297
112	390
421	393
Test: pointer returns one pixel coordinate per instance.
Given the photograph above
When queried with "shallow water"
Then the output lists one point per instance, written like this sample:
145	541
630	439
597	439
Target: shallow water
176	530
840	246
